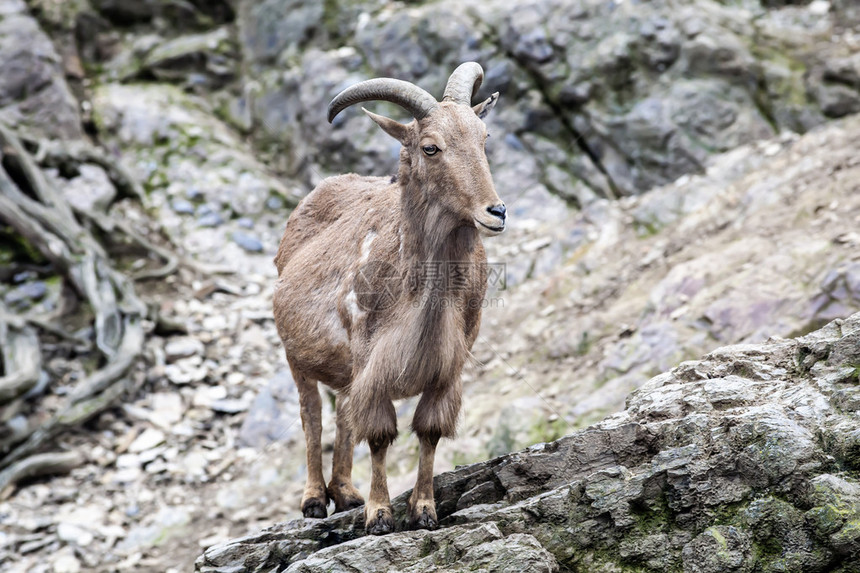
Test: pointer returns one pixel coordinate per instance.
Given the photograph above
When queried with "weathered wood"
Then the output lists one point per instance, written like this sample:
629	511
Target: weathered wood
41	215
22	360
39	465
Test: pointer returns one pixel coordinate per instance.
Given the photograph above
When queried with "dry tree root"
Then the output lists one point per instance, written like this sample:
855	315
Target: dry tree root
39	214
22	357
58	153
38	465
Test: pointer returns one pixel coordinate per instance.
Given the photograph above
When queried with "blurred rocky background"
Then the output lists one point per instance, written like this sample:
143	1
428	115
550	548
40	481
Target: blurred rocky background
680	175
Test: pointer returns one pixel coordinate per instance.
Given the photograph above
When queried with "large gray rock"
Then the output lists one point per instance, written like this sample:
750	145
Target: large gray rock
744	460
609	98
33	92
764	243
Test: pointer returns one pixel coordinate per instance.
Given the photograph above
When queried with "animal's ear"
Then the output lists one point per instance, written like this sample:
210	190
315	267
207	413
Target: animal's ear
483	108
393	128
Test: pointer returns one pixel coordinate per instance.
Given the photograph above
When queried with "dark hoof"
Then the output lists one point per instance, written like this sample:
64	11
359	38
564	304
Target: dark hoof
350	503
423	521
381	524
314	508
344	497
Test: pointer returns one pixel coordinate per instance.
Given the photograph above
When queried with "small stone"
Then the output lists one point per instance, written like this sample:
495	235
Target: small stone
274	203
819	7
230	406
147	440
91	190
181	374
245	222
235	378
248	242
167	409
195	464
216	322
128	461
150	455
157	467
182	206
205	396
772	149
27	292
210	220
182	348
67	564
71	533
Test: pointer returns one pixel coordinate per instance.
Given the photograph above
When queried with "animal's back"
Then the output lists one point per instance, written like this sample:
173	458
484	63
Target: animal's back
334	203
319	253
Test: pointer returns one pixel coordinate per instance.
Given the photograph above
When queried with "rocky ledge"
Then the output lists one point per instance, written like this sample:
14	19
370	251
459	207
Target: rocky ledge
745	460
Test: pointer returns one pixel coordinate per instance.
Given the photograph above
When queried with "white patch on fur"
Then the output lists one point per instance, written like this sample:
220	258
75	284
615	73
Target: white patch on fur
352	307
335	327
365	246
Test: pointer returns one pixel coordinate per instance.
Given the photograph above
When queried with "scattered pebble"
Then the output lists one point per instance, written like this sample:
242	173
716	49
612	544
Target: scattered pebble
26	292
182	206
147	440
67	564
183	347
167	409
205	396
230	406
184	374
819	7
247	241
74	534
210	220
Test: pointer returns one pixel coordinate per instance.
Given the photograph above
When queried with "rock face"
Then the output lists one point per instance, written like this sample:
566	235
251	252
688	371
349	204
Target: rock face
608	98
217	107
33	92
745	460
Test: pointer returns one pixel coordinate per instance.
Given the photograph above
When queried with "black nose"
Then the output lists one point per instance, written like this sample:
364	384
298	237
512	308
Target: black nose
497	211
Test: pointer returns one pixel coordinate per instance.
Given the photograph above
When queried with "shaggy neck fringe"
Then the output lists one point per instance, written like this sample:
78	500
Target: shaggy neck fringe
435	241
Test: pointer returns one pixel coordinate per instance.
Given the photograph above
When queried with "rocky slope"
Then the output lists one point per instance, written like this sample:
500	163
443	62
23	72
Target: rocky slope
745	460
217	109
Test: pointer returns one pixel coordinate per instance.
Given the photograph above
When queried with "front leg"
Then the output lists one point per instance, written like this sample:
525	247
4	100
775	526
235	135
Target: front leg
372	417
422	506
435	417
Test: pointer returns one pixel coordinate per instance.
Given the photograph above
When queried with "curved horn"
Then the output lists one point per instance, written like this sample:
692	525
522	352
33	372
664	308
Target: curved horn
464	83
408	96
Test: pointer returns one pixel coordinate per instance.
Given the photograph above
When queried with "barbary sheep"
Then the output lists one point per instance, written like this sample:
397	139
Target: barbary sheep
380	288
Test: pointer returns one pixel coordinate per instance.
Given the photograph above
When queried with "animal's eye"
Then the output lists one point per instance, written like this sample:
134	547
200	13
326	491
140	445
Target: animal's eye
430	149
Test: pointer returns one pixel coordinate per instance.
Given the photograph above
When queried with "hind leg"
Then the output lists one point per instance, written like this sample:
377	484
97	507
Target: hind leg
340	488
314	499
